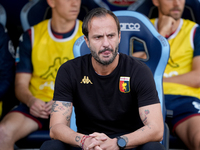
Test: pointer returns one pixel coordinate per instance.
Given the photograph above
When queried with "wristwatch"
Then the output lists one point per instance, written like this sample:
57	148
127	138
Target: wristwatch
121	143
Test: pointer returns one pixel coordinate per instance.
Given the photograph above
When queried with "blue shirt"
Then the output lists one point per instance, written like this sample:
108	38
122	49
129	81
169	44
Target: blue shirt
7	62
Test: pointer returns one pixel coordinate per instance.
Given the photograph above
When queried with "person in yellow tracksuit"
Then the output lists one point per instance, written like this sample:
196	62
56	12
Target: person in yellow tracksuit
42	49
181	81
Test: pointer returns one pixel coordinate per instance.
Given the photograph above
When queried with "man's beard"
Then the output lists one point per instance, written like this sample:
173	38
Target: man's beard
175	17
105	63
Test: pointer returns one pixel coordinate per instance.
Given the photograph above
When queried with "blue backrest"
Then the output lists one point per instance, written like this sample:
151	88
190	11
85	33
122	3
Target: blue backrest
135	25
73	121
146	7
3	16
34	12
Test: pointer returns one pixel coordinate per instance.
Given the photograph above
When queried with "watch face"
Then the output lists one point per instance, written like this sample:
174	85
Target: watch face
121	142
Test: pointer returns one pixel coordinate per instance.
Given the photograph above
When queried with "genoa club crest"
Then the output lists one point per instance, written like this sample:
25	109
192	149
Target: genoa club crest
124	84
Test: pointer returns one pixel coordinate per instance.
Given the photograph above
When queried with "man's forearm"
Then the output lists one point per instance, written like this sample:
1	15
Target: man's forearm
24	95
66	134
189	79
143	135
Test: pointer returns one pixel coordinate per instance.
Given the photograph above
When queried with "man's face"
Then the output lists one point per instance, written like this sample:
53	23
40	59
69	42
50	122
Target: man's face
66	9
172	8
103	39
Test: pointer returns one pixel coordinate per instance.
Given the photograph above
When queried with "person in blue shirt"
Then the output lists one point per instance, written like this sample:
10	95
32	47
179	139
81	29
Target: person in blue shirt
7	65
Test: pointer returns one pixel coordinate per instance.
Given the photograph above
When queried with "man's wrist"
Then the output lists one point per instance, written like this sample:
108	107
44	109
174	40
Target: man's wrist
82	142
31	100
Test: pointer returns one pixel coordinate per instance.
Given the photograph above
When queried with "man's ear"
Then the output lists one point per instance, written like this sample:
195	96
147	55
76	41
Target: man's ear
155	2
51	3
87	41
119	36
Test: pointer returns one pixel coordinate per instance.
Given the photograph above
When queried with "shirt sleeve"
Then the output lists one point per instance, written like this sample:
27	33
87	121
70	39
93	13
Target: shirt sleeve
145	87
63	86
197	42
7	61
23	54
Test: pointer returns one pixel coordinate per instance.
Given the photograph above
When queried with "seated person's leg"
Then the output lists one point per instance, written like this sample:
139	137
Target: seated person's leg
186	119
189	132
16	125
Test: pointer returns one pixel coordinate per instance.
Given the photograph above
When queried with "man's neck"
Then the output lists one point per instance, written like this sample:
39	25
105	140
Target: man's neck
62	26
105	69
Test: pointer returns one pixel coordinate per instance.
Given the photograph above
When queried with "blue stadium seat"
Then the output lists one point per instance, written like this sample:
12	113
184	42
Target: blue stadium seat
134	25
36	11
146	7
3	17
13	23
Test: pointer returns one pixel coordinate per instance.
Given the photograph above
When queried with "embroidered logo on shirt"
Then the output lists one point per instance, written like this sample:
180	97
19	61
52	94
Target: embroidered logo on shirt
53	69
124	84
86	80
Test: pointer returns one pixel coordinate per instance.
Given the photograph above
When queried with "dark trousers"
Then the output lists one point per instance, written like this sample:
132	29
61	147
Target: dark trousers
58	145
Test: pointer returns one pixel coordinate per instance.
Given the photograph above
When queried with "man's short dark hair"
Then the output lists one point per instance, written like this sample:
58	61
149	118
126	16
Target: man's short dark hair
97	12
